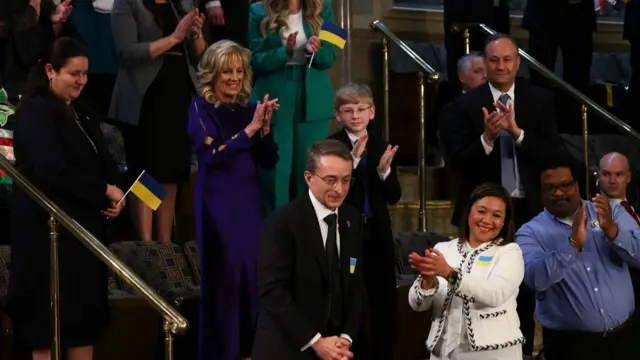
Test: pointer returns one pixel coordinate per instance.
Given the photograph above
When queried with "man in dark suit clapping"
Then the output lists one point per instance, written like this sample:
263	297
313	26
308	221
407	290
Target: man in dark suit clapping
494	133
310	267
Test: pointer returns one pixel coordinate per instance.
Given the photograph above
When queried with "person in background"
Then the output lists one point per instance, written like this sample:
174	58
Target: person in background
472	71
283	38
375	186
472	282
632	34
228	19
231	137
577	256
64	155
31	27
310	267
158	43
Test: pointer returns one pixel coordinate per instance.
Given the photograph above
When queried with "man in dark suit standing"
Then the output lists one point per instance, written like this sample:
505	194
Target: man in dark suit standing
564	24
310	267
375	186
228	19
494	13
494	133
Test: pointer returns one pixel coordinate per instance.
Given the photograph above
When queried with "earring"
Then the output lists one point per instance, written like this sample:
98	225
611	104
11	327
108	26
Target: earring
49	82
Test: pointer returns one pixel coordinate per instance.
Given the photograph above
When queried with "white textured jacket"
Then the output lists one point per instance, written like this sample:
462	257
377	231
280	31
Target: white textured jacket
485	295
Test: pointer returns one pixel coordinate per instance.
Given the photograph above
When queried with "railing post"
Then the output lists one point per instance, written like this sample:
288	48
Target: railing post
168	339
385	85
585	139
422	215
467	41
345	23
56	352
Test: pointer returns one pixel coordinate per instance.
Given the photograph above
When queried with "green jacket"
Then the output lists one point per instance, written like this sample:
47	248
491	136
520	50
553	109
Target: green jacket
269	58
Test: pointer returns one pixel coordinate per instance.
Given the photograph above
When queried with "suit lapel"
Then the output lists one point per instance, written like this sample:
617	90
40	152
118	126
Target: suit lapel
312	228
345	231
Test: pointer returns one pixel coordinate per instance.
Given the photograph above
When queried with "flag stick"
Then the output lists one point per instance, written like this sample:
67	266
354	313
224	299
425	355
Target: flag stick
130	187
311	61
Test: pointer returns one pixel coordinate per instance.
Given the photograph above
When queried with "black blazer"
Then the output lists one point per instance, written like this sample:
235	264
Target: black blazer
381	193
293	278
557	15
462	124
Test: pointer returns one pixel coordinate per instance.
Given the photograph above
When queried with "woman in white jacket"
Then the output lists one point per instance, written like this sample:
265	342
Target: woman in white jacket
471	284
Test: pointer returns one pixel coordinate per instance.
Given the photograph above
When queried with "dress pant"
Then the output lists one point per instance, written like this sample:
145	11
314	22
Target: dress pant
619	344
380	282
236	22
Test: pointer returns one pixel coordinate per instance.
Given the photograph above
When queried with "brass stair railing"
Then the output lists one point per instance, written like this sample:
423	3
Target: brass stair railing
174	323
433	79
586	102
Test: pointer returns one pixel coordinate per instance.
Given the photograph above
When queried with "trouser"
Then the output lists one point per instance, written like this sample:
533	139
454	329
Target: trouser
380	283
294	137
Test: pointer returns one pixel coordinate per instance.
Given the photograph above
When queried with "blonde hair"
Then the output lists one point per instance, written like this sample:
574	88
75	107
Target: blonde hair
213	63
352	93
278	11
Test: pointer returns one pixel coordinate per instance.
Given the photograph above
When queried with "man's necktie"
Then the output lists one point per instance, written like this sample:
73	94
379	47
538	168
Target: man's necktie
507	155
626	206
366	207
335	276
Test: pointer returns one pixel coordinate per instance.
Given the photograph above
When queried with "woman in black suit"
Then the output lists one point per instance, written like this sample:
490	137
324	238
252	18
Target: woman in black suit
65	156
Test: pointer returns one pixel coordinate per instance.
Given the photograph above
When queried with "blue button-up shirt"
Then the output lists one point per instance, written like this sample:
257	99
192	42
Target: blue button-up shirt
589	290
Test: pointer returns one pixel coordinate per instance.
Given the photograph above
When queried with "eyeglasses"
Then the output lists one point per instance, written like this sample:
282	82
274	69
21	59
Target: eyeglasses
332	181
352	112
563	187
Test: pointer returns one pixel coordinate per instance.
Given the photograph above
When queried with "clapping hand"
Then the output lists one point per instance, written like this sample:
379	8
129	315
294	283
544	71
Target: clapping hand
579	227
605	216
260	114
509	118
62	12
387	158
494	122
270	107
196	25
215	14
184	26
291	42
360	147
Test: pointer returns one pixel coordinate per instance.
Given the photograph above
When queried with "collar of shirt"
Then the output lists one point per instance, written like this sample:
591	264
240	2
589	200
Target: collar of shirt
496	93
568	220
321	210
352	137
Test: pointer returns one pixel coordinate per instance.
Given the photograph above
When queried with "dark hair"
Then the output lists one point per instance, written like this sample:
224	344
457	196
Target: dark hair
482	191
554	161
62	50
500	36
327	147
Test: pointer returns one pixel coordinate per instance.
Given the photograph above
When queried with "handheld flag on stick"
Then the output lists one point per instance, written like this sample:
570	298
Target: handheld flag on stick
148	190
332	34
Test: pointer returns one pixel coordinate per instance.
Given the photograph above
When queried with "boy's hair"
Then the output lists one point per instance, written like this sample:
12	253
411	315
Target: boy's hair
352	93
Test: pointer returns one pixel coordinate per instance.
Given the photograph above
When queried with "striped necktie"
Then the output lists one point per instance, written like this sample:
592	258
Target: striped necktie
507	155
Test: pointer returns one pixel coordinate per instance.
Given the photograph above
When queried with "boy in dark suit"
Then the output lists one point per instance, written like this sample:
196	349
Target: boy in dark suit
375	185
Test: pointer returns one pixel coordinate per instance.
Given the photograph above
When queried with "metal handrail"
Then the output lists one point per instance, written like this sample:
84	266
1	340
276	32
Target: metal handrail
174	322
433	78
377	25
575	93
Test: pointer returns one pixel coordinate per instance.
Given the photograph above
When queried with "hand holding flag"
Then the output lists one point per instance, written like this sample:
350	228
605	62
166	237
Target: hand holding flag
148	190
332	34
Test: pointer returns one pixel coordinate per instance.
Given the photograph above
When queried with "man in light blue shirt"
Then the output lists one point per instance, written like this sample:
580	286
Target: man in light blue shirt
577	255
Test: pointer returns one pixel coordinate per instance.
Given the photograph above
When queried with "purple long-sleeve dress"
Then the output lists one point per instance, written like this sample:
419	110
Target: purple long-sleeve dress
229	213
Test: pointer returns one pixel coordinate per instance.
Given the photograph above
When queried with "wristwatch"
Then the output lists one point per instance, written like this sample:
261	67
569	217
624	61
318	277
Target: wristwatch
453	276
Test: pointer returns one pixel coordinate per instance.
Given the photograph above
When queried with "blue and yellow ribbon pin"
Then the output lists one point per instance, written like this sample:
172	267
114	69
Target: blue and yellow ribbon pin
352	265
484	260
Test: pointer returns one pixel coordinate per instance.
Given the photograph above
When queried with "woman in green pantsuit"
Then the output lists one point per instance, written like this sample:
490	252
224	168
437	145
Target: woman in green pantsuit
283	36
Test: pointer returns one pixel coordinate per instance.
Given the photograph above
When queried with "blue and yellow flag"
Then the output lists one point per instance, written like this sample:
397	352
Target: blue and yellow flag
148	190
333	34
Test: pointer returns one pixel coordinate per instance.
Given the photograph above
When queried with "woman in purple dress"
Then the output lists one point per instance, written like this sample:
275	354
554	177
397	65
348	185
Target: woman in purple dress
232	138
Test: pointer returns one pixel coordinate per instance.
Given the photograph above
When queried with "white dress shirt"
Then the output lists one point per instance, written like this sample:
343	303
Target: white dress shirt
295	23
321	213
519	191
354	139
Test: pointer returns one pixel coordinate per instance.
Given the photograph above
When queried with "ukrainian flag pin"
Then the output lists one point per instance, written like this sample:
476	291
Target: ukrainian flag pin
352	265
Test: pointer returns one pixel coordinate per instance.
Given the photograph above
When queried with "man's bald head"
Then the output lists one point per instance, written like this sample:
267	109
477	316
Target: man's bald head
614	175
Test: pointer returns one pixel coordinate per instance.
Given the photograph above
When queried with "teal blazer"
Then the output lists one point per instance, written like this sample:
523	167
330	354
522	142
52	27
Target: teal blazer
269	58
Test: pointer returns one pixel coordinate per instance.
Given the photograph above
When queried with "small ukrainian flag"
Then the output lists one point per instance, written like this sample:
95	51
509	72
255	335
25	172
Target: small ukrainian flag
148	190
333	34
484	260
352	265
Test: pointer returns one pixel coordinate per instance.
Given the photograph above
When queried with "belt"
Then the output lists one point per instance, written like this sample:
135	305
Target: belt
616	329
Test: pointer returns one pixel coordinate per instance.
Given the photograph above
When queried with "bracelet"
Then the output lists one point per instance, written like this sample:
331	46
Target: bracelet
197	36
574	244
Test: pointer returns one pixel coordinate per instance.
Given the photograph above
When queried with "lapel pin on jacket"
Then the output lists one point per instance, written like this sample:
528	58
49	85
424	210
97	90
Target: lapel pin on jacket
352	265
348	223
